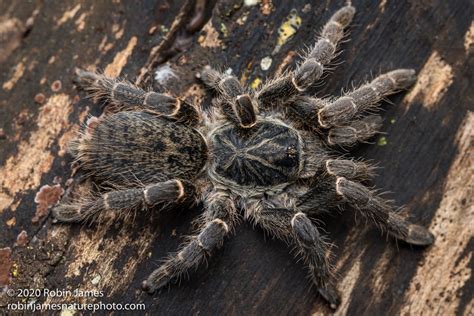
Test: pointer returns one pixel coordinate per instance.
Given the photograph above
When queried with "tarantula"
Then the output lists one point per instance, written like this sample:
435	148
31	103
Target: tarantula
269	153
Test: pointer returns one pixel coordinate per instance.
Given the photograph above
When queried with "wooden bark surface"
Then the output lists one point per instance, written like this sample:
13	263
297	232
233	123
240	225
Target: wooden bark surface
425	156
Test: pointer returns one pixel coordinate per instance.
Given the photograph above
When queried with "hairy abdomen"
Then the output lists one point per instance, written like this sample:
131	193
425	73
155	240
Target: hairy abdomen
131	146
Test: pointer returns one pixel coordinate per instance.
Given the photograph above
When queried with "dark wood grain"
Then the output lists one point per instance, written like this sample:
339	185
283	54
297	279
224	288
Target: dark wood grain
425	163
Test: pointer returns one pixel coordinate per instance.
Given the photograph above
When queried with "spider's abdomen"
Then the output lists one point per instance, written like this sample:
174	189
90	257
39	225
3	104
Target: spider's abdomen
267	154
130	146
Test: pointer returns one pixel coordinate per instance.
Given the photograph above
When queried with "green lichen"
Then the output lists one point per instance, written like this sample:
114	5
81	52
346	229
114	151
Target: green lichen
382	141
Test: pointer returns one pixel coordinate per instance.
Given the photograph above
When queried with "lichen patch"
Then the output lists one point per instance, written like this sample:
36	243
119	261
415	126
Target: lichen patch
81	22
433	81
22	239
5	201
210	37
46	197
120	60
17	74
68	15
24	170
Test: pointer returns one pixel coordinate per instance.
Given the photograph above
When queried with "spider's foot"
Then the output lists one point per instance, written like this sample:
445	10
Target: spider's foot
84	78
157	280
403	78
418	235
331	295
65	213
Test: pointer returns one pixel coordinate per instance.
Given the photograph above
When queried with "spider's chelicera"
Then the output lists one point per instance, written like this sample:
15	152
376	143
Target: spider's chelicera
269	153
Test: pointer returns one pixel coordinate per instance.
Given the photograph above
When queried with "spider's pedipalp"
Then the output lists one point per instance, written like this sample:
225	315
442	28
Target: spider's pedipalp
379	211
355	131
236	104
126	96
119	203
344	109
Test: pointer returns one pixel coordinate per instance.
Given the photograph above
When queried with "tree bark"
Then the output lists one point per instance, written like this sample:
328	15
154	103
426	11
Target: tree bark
425	154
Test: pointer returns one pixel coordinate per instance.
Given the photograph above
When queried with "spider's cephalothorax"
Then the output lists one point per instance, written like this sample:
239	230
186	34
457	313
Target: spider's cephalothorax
270	153
265	155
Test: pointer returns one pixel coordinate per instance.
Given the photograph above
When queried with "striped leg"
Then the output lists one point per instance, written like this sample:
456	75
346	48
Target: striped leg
314	63
121	203
218	219
380	212
126	96
342	111
297	228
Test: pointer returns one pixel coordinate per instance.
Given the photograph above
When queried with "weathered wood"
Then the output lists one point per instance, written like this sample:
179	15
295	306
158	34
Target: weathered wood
426	155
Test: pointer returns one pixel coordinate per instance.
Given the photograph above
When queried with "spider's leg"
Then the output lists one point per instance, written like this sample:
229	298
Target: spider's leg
297	228
120	203
313	64
379	211
343	110
126	96
305	109
349	169
356	131
218	219
236	104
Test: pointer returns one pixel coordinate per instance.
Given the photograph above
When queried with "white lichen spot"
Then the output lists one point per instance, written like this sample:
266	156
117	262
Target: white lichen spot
250	3
164	73
67	312
96	279
265	63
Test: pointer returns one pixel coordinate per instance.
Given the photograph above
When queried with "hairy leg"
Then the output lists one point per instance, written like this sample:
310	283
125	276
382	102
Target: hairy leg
350	169
297	228
217	220
236	104
342	111
313	64
126	96
380	212
121	203
356	131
